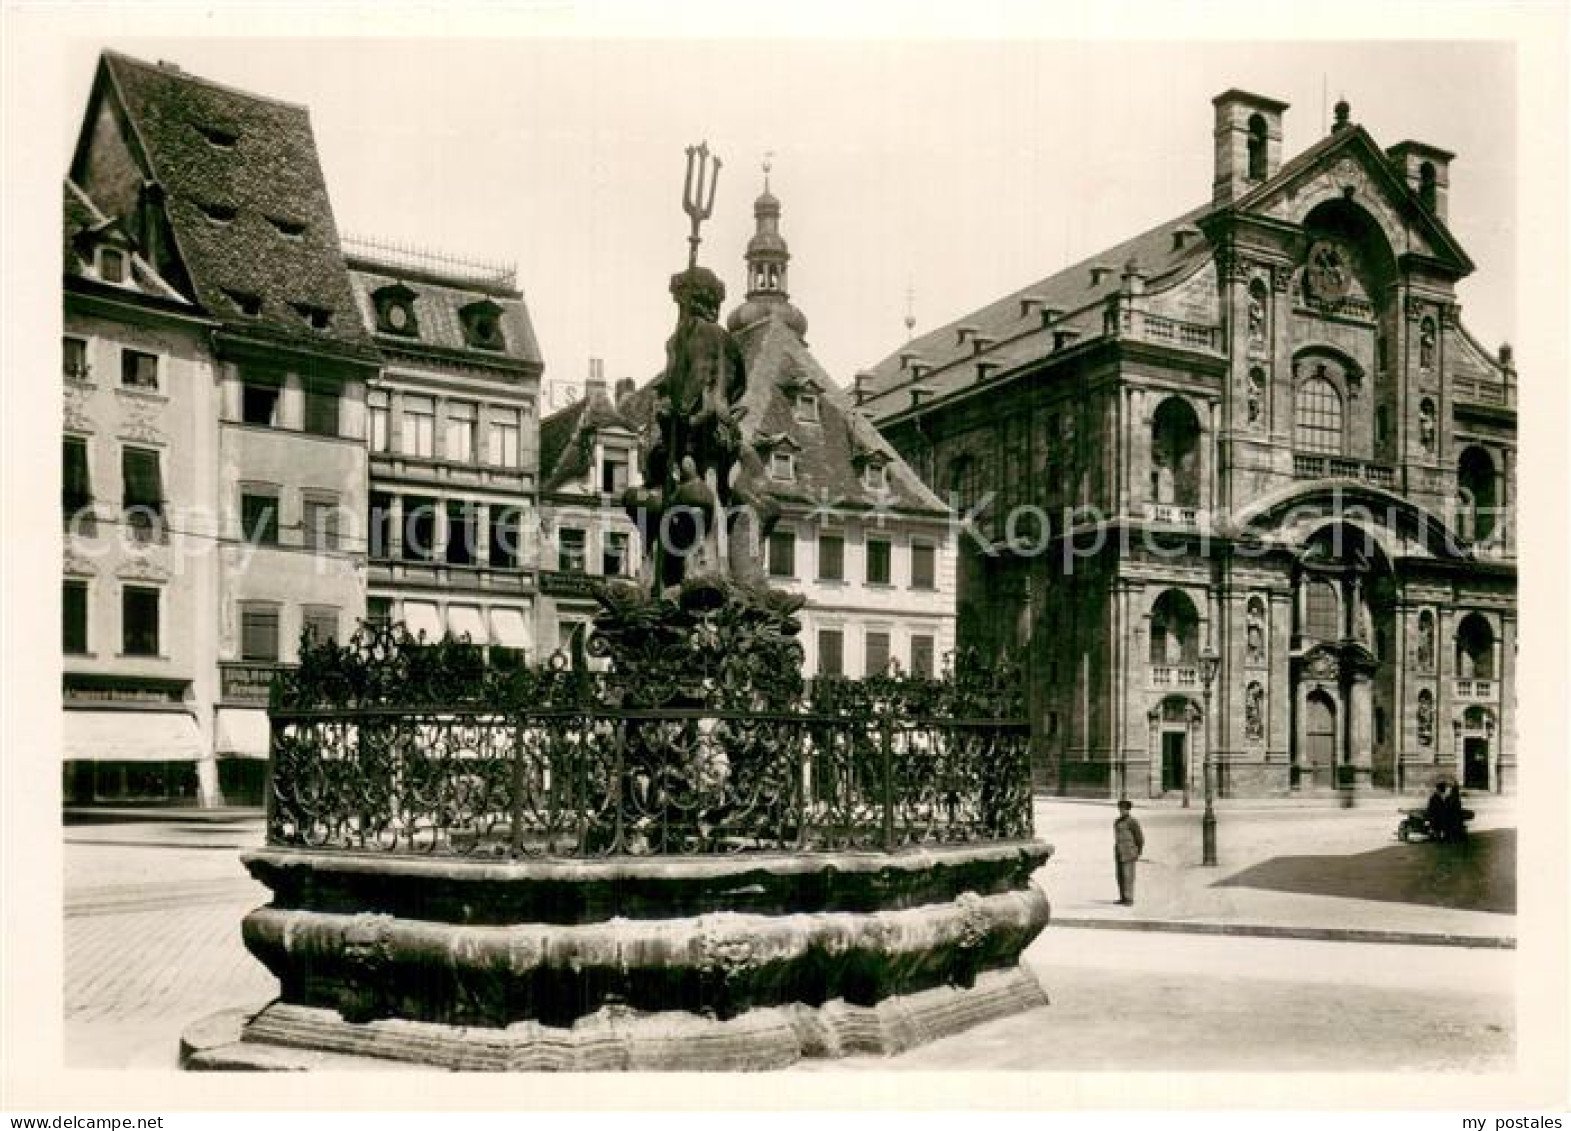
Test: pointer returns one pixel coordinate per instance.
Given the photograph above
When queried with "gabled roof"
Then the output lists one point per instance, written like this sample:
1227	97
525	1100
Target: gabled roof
437	309
245	198
567	436
84	223
826	458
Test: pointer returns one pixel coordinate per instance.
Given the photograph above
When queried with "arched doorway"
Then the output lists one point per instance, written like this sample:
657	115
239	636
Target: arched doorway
1318	754
1175	725
1476	732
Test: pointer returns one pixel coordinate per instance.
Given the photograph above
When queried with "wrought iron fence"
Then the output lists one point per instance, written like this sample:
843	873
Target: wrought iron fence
389	744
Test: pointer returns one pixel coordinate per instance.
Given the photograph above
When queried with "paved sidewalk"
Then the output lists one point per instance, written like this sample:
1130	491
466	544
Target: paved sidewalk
1312	872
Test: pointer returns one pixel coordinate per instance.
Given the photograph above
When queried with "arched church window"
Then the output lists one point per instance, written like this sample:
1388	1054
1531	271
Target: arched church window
1174	629
1475	648
1317	417
1322	611
1175	453
1257	148
1475	481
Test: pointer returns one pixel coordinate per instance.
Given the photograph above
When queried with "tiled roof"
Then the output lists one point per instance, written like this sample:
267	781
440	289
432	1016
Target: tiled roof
84	218
247	202
566	436
1017	330
828	452
437	318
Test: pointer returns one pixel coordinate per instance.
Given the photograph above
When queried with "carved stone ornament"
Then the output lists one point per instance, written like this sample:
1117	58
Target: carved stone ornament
1281	277
1415	309
1327	276
139	421
1323	665
77	565
1348	174
76	418
142	569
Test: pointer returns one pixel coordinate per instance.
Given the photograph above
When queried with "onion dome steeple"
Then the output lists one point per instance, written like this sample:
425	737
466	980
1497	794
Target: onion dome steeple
768	259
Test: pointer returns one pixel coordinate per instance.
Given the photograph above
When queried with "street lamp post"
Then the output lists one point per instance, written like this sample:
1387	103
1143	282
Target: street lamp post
1209	662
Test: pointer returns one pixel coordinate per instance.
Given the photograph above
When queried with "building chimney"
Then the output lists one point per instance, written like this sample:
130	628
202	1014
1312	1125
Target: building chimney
1248	134
1427	171
595	382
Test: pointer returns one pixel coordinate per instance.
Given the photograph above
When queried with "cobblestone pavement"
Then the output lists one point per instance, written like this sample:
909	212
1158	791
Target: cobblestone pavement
152	942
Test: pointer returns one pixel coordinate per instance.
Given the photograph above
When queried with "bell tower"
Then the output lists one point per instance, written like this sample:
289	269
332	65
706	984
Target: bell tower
768	263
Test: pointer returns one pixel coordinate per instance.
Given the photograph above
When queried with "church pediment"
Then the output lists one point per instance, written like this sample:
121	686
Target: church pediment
1350	166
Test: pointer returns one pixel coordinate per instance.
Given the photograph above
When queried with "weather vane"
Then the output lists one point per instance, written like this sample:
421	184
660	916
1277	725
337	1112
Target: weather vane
769	163
694	203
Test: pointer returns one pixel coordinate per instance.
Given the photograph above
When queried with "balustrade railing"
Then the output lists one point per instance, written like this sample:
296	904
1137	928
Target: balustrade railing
1169	676
1309	466
1475	690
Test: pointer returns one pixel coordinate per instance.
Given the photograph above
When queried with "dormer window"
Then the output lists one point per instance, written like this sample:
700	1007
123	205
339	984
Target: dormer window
218	136
395	310
316	317
218	213
483	325
807	407
111	265
246	303
289	229
875	477
782	466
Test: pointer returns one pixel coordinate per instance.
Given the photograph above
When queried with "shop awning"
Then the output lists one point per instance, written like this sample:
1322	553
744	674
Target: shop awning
242	732
463	619
509	628
423	616
131	736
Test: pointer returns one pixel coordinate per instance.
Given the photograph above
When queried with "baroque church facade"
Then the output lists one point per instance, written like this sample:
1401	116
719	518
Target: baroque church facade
1255	444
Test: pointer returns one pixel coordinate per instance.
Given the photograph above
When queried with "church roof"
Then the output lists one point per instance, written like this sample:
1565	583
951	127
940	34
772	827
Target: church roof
246	201
1017	329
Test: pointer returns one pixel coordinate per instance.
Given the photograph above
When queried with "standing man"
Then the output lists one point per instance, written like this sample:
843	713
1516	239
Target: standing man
1129	841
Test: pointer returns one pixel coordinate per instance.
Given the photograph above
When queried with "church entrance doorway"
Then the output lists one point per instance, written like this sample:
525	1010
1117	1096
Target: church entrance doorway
1172	760
1475	763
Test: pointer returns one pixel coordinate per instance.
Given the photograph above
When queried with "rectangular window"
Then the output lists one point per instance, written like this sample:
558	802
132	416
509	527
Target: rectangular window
73	608
831	646
259	633
259	517
74	357
831	557
807	407
923	573
76	486
877	653
321	411
111	265
419	427
922	656
144	484
320	519
320	623
782	553
139	621
259	402
613	474
502	442
459	441
461	533
879	554
381	417
875	477
505	550
570	555
378	610
613	554
138	370
419	529
380	525
782	467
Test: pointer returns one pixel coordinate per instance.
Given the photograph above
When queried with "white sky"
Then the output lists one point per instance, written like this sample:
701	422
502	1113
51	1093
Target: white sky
961	169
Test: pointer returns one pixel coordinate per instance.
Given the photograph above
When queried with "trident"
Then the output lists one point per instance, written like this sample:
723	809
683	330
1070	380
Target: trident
693	203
